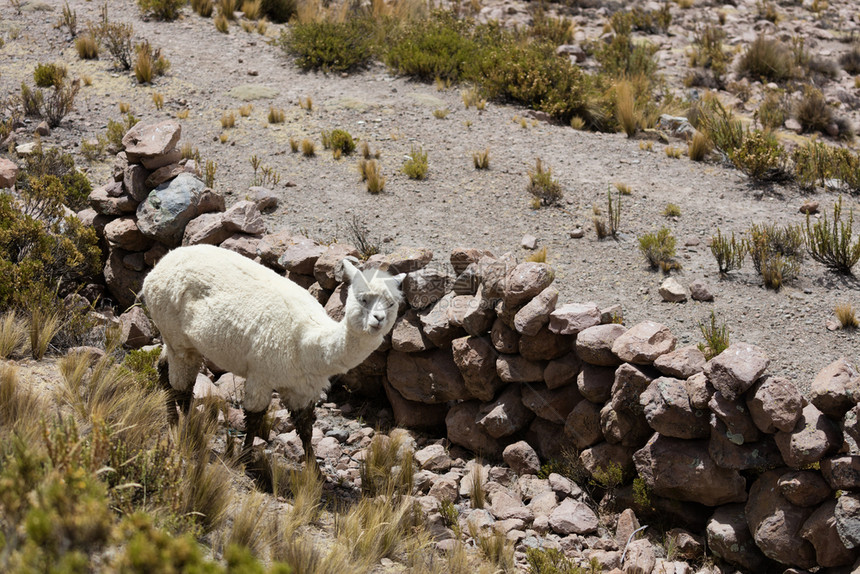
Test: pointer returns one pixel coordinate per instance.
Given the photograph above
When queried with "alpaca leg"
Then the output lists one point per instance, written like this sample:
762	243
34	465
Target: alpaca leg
170	393
304	419
177	372
253	420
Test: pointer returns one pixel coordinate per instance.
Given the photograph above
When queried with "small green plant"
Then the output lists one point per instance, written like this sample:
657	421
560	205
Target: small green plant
725	132
50	75
330	46
481	159
608	477
659	249
760	156
416	166
551	561
716	337
832	242
641	493
773	110
776	252
672	210
846	316
729	252
441	113
276	115
543	187
116	37
813	164
450	516
166	10
341	140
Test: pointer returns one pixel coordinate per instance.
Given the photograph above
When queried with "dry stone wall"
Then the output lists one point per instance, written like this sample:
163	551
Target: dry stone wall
484	351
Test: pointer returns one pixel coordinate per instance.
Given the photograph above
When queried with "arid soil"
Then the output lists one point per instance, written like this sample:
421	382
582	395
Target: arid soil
458	205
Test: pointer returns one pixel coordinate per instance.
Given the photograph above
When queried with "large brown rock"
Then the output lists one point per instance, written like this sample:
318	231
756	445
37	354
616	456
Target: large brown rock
135	182
804	487
462	257
774	404
243	244
545	345
624	426
122	232
328	268
562	371
427	377
147	139
425	286
535	314
729	537
814	437
122	282
517	369
504	338
525	281
668	411
507	415
137	329
683	470
643	343
479	317
630	382
437	324
736	417
594	344
595	383
583	425
699	390
244	217
820	530
414	414
836	388
407	335
206	228
842	472
847	514
605	460
543	435
464	430
476	359
272	246
726	453
301	256
402	260
775	523
735	370
681	363
106	201
573	517
572	318
522	458
552	405
8	173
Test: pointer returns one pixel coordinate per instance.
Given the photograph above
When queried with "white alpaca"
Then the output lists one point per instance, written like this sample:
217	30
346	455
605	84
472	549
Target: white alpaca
214	303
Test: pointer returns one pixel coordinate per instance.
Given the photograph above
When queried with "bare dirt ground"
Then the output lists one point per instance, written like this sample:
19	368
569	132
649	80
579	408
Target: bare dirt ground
458	205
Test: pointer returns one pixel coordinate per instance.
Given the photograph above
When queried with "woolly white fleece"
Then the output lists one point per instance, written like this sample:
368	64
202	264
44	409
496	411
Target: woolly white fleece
247	319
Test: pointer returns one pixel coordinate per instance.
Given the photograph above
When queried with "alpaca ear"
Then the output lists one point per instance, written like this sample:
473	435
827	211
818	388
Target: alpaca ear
349	269
399	278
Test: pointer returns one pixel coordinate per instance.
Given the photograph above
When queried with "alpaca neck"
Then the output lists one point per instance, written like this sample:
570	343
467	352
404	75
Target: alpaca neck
344	348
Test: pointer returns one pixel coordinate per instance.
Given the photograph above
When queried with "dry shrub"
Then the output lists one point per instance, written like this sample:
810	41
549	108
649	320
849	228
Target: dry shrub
846	316
13	333
625	108
699	147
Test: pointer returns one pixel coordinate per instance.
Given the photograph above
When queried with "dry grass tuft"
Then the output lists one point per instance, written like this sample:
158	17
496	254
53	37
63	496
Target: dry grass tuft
222	24
377	470
228	120
245	110
699	147
470	97
276	115
158	100
252	9
20	407
306	488
13	333
378	528
44	326
372	174
441	113
294	145
625	108
253	526
481	159
308	148
538	256
306	103
673	152
87	47
846	316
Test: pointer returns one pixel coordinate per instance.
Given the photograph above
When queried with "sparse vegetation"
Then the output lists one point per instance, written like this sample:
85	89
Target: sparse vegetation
308	148
544	188
776	252
767	59
329	46
729	252
415	167
699	147
716	337
672	210
832	242
659	249
846	316
760	156
481	159
276	115
87	47
609	227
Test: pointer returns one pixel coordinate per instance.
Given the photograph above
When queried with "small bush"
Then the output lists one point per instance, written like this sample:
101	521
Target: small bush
850	61
813	164
659	249
776	252
166	10
766	59
481	159
437	47
846	316
760	156
372	174
149	63
699	147
330	46
341	140
708	52
87	47
773	110
228	120
716	338
672	210
209	173
729	253
622	57
673	152
724	131
13	332
609	227
222	23
542	186
50	75
832	242
416	166
276	115
812	111
117	39
203	7
308	148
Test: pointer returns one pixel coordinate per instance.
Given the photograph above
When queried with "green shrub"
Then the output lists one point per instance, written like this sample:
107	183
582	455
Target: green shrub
341	140
832	242
543	187
166	10
729	253
622	57
708	51
760	156
49	75
659	249
813	164
53	162
550	561
416	166
548	29
767	59
716	338
330	46
846	166
719	124
437	47
773	110
776	252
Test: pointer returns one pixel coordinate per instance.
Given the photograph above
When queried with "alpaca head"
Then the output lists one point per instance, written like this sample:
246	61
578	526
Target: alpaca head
373	299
